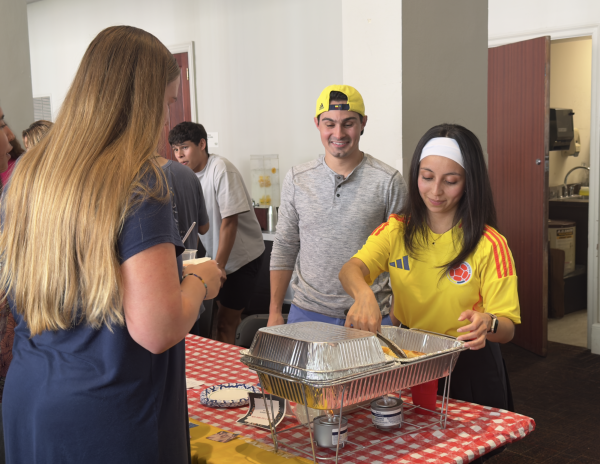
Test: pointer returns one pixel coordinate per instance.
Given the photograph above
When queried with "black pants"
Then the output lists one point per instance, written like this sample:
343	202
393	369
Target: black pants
480	377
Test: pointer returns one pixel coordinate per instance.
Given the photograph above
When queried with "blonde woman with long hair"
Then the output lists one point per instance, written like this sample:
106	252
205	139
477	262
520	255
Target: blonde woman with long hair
92	273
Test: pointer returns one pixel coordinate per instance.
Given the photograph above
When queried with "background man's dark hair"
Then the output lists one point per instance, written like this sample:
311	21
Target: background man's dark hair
335	95
185	131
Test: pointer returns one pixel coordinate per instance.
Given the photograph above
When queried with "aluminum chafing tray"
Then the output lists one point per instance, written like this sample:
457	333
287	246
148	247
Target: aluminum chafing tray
299	355
316	351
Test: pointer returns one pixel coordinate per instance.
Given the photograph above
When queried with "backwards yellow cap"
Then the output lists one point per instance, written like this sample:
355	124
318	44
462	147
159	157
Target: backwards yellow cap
355	100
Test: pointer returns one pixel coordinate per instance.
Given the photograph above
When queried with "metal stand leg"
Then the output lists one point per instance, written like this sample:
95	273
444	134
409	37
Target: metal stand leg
308	424
271	426
272	415
446	397
337	448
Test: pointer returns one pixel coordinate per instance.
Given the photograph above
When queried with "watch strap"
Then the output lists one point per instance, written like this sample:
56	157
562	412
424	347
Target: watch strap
494	326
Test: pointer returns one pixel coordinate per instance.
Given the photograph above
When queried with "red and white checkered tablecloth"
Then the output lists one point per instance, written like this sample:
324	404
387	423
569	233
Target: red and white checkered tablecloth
471	430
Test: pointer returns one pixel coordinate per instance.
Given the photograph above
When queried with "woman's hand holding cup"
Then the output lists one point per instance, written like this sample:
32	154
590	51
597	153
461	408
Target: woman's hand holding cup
210	273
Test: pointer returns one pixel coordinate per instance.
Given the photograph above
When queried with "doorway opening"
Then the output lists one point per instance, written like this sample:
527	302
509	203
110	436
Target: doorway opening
593	262
570	89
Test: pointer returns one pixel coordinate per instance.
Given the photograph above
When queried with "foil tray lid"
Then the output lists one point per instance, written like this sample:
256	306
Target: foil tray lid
317	346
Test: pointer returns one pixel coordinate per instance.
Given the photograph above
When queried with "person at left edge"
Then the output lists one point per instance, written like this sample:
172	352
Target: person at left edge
15	152
7	322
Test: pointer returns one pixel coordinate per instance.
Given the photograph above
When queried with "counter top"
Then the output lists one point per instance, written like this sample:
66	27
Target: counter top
268	236
577	199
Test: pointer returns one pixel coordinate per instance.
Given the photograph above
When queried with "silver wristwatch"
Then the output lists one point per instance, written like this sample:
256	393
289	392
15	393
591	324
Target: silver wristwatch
494	327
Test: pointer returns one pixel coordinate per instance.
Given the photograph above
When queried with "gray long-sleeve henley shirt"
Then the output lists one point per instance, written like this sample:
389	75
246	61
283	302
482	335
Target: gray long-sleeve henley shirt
324	219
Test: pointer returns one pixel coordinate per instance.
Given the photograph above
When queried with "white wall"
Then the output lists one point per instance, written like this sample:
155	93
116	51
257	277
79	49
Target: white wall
260	64
510	18
571	87
15	74
372	49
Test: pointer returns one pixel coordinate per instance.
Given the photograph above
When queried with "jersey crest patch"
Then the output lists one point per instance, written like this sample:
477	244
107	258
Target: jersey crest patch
461	274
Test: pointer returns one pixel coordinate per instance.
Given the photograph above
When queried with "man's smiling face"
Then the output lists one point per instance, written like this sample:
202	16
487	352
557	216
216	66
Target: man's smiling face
340	131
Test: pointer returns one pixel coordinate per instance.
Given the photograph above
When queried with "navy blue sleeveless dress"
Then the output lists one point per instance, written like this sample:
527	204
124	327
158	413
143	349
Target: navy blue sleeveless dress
95	396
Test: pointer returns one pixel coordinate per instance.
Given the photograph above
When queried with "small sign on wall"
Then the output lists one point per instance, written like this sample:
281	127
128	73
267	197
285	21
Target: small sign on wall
213	139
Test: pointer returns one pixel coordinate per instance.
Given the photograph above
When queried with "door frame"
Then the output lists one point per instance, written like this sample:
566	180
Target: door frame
189	49
593	271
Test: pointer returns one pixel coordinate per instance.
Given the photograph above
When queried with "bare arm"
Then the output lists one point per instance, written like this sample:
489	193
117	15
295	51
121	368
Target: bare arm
203	229
227	234
365	313
395	321
280	281
159	311
286	247
479	326
505	333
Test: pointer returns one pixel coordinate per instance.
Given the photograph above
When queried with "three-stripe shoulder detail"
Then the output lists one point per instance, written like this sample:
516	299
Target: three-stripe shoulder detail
382	227
504	264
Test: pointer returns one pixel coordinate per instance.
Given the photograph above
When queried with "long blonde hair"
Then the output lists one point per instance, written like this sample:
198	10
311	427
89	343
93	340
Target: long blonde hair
68	198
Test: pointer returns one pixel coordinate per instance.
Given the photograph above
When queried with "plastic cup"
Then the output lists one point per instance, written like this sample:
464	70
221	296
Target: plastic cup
189	254
425	395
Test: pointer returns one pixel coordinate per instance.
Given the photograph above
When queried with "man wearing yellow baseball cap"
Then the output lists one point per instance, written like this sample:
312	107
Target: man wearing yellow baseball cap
329	207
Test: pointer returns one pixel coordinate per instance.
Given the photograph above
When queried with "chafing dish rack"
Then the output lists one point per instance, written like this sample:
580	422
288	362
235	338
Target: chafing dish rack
324	366
324	359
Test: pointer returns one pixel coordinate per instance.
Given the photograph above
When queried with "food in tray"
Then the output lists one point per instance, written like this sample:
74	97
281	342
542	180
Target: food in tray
409	353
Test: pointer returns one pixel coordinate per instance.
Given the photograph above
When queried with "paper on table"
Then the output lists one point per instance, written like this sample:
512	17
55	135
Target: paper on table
257	414
223	436
192	383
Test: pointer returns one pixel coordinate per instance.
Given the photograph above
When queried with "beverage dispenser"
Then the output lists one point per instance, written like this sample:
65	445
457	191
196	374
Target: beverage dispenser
265	180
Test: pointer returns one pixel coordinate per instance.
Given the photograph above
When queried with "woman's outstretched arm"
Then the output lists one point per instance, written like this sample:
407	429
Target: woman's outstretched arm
365	313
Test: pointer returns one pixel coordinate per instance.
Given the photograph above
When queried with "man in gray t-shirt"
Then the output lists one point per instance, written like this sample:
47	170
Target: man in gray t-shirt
329	207
235	240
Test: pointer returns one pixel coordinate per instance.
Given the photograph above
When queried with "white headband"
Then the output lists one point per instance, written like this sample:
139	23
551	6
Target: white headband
443	146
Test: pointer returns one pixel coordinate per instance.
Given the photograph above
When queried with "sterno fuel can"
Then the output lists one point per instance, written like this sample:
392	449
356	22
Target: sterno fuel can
387	413
327	431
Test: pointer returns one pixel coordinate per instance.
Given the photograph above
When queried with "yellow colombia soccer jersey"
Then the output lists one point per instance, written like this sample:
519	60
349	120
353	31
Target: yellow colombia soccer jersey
485	281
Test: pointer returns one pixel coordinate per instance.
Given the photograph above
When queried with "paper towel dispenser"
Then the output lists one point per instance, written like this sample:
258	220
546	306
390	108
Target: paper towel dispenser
561	129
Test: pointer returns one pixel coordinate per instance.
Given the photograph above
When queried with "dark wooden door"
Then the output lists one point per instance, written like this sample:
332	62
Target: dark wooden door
179	111
518	116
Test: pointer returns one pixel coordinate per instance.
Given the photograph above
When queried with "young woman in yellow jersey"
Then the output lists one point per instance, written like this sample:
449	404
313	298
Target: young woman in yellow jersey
451	271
